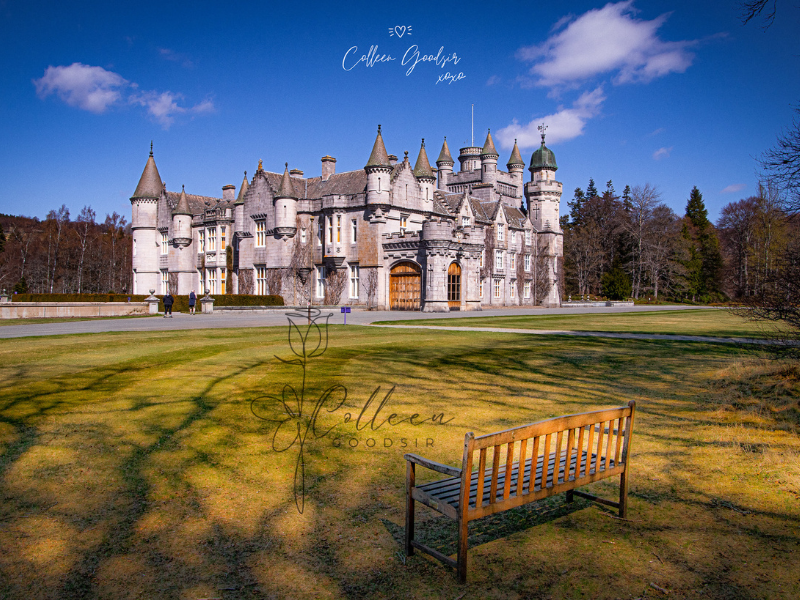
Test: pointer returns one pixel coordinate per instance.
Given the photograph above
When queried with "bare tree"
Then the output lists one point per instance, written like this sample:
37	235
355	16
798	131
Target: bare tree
85	225
753	8
642	201
370	285
335	282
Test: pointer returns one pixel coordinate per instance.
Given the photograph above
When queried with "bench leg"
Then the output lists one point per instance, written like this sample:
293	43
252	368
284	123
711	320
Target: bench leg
410	481
463	535
623	494
570	497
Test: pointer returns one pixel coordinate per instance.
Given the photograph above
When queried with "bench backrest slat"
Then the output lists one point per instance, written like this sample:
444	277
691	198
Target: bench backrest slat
563	449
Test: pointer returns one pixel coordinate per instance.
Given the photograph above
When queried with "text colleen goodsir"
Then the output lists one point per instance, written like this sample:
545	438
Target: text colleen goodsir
411	58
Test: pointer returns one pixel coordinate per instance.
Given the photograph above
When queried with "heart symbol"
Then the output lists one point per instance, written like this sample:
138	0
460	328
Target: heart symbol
400	30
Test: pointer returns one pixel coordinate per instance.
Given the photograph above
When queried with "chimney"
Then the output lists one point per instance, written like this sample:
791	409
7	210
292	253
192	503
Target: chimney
228	192
296	173
393	159
328	167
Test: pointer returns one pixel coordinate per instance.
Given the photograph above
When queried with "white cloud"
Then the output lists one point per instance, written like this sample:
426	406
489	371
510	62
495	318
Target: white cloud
733	188
95	89
607	40
563	125
662	153
85	87
173	56
493	80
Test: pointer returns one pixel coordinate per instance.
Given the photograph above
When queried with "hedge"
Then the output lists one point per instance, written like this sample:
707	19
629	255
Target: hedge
181	302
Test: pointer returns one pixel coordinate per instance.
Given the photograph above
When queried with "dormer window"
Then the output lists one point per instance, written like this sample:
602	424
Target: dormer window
501	234
261	234
466	221
164	243
528	236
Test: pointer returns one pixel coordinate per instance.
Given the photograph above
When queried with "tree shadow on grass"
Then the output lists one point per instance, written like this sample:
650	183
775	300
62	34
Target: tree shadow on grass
441	533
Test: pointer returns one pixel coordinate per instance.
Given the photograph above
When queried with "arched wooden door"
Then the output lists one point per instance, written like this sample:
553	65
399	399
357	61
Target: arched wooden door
405	286
454	286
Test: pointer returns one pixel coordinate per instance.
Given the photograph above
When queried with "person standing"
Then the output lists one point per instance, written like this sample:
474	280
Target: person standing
192	302
168	302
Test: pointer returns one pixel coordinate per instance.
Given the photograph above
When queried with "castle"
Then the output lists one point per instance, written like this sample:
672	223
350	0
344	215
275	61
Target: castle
388	236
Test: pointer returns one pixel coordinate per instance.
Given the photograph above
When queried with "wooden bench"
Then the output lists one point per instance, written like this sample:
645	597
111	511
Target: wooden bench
586	447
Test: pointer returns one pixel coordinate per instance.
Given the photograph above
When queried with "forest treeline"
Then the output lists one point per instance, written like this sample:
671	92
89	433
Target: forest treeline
634	245
59	255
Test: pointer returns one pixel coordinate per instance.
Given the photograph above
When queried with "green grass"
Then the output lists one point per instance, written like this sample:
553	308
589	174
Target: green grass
713	322
131	466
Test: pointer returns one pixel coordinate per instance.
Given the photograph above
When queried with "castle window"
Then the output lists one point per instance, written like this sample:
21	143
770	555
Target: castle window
338	229
480	289
303	235
164	281
528	236
320	282
513	237
212	239
201	276
512	261
261	281
497	287
211	280
222	280
201	239
222	238
261	233
483	254
501	234
355	230
330	230
320	233
512	289
527	289
164	243
498	259
403	222
354	281
527	262
466	221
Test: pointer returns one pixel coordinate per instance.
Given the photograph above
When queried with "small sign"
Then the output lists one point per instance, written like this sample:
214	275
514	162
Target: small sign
345	309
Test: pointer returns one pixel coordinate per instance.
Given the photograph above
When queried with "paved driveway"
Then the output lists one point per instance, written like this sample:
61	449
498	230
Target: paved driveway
226	320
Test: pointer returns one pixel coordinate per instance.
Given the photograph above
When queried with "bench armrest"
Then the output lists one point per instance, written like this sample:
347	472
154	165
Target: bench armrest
433	465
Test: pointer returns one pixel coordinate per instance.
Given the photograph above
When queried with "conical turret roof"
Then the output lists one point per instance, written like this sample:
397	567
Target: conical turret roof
444	155
183	205
150	184
242	190
516	157
379	157
286	190
488	146
423	167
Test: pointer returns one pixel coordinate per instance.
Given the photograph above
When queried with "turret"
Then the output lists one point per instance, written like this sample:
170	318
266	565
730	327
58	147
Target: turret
489	158
182	221
543	192
445	165
144	221
424	174
516	165
470	158
286	206
379	170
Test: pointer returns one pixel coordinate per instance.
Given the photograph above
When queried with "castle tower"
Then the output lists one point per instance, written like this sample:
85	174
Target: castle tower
182	259
379	171
424	174
489	158
516	165
470	158
543	194
144	223
285	204
445	165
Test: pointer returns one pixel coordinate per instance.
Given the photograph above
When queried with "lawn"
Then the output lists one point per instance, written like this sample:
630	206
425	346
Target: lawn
42	320
132	466
711	322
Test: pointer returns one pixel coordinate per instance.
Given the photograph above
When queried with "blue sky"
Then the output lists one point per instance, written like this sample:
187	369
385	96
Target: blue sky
675	94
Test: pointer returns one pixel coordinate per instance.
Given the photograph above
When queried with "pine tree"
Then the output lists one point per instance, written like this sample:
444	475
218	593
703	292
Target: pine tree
626	197
610	188
2	239
591	189
575	206
704	268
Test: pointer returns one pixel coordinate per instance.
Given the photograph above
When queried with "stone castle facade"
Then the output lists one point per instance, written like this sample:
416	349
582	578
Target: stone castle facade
388	236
